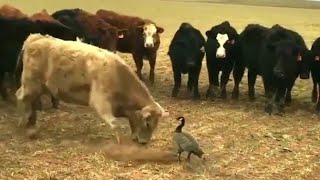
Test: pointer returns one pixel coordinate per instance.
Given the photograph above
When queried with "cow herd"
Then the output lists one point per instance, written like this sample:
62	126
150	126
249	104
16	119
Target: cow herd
277	54
71	55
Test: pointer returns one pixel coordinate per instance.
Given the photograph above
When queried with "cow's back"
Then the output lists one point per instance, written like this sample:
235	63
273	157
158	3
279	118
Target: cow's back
63	66
120	21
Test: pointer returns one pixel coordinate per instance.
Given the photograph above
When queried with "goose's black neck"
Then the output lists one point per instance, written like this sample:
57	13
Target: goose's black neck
179	128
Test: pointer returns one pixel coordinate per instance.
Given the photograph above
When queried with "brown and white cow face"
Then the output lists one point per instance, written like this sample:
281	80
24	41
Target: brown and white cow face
146	121
150	34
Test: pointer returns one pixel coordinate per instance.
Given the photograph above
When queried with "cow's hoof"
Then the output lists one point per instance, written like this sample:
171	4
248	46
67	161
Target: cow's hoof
174	93
32	133
280	112
210	95
223	95
314	98
196	97
235	95
252	98
287	101
21	123
318	109
268	109
134	137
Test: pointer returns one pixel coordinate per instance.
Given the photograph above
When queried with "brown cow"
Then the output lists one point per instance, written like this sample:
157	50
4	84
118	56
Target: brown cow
80	73
11	12
102	34
142	40
44	16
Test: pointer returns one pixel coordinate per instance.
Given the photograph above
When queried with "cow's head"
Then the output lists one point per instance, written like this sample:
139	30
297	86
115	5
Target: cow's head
146	121
188	44
110	36
304	63
150	34
315	52
224	37
286	57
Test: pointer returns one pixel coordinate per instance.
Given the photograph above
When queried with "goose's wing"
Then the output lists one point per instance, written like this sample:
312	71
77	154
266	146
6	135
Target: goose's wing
191	139
184	143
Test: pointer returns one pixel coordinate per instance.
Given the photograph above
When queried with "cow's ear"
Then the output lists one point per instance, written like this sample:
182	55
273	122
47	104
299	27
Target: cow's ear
139	29
301	49
208	33
160	30
121	33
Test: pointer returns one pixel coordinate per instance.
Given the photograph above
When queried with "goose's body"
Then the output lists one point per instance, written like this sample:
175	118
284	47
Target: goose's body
185	142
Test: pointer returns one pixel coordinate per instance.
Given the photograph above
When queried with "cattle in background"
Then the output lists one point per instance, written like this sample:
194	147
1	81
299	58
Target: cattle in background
80	73
315	72
11	12
100	32
221	55
142	39
275	54
15	30
186	52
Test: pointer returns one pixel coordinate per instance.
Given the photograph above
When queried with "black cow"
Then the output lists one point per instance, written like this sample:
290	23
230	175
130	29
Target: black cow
315	72
275	54
304	58
221	54
12	35
186	52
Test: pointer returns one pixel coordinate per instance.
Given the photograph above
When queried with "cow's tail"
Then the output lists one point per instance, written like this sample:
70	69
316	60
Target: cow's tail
18	69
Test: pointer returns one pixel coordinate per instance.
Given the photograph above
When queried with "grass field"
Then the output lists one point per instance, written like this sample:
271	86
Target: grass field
240	140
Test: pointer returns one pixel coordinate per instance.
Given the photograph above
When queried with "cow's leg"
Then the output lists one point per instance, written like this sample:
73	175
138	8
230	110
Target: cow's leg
224	81
152	62
55	102
177	81
38	103
288	98
213	82
314	96
280	100
139	64
237	76
102	106
314	93
196	74
270	95
318	103
27	101
3	91
252	76
190	80
104	110
53	91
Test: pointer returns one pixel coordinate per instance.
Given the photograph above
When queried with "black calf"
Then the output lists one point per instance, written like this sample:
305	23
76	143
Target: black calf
186	52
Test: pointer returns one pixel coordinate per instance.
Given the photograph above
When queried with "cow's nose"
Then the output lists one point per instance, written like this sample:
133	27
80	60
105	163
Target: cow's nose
304	75
148	45
220	56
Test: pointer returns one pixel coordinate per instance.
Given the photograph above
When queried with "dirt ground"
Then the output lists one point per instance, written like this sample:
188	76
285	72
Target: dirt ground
239	139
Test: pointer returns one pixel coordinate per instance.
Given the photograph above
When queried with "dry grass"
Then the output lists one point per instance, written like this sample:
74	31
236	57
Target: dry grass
240	140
